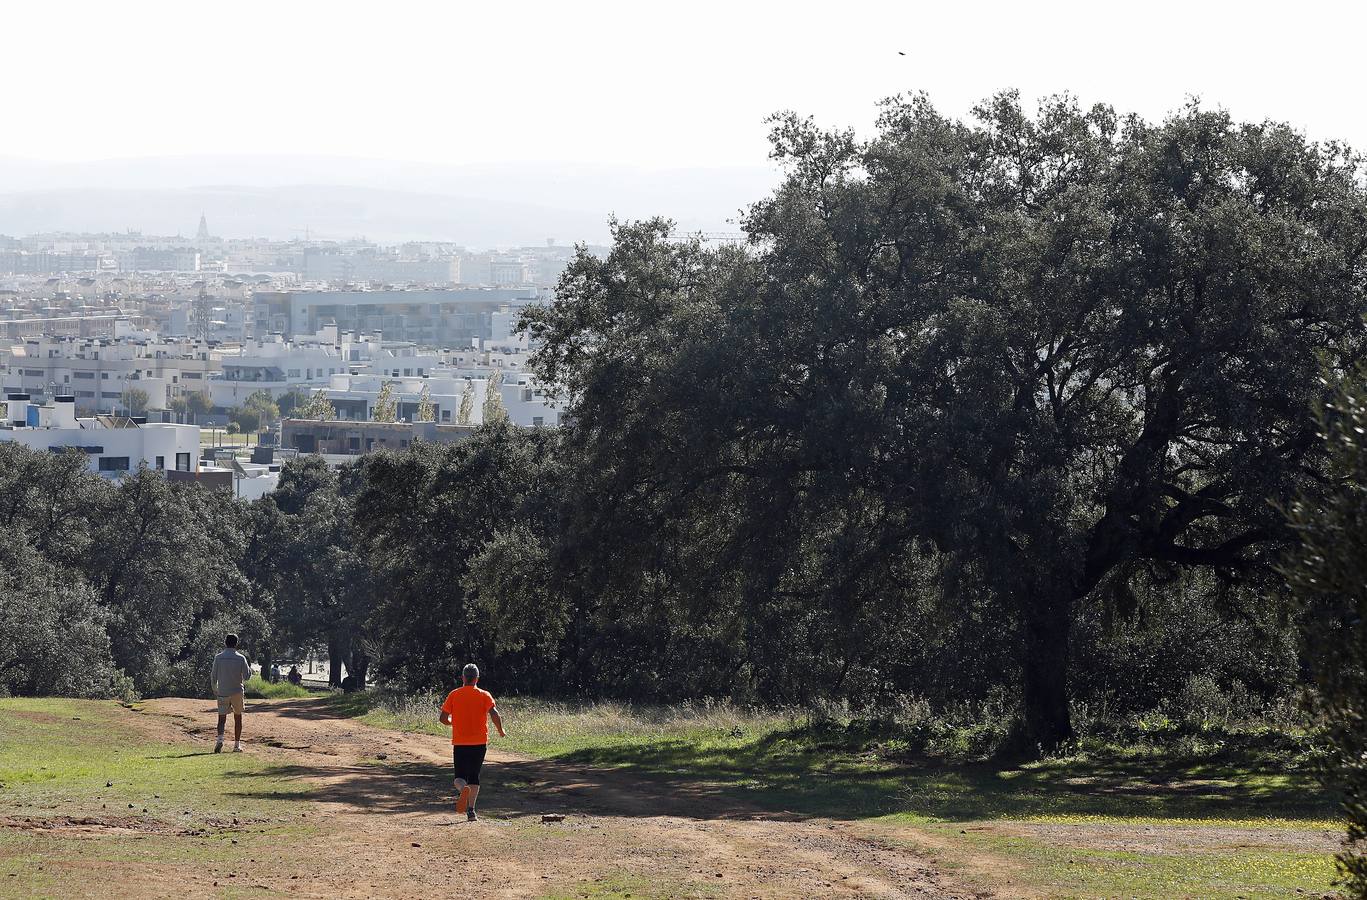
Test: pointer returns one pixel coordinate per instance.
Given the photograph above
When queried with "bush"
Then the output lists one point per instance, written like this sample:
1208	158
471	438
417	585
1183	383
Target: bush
1328	573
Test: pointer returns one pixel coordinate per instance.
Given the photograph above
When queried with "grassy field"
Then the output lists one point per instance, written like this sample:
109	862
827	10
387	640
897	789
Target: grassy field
259	689
1229	815
70	762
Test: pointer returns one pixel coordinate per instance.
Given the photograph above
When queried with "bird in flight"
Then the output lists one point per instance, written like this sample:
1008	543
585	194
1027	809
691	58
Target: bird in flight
901	53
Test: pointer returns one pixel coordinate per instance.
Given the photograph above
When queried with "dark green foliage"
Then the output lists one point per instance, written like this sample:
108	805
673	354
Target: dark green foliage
1037	360
1328	574
292	402
1182	627
988	415
111	588
304	556
55	638
429	517
164	561
198	403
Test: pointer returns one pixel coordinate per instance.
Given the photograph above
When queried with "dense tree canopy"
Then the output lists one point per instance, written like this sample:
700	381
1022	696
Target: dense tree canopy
1045	357
136	581
423	519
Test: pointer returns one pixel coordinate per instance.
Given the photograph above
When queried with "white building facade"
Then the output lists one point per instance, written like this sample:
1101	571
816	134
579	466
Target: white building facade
354	397
103	374
278	366
113	446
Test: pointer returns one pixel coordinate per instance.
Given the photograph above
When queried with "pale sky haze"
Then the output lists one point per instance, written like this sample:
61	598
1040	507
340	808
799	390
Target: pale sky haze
642	83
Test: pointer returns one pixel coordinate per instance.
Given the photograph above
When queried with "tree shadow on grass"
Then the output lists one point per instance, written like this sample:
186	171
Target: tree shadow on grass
802	772
784	771
675	778
403	788
512	789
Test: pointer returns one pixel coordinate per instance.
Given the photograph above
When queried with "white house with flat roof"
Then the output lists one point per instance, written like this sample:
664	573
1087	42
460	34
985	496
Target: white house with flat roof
114	445
353	397
278	366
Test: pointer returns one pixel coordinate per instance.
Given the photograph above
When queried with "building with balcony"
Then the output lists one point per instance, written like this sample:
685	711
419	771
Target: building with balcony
341	442
102	374
528	405
279	366
114	445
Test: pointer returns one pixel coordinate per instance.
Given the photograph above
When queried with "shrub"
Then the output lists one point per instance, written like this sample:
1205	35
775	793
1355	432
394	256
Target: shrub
1328	573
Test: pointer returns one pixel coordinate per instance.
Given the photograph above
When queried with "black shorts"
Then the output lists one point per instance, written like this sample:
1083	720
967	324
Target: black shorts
468	759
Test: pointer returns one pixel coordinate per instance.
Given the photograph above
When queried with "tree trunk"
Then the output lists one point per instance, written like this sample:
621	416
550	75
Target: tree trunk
267	658
334	662
360	667
1046	722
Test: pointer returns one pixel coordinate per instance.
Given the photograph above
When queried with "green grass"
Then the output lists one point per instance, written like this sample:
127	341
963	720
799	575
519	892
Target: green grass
547	728
75	758
258	689
788	761
62	756
1077	871
218	437
823	767
1053	824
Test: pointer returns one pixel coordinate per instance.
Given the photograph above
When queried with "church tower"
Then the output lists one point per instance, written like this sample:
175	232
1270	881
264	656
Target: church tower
203	233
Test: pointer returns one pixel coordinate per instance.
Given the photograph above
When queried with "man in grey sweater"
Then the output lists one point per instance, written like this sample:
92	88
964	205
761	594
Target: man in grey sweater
228	677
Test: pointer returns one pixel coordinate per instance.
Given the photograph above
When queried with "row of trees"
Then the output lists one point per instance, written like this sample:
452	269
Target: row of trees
121	588
386	408
107	589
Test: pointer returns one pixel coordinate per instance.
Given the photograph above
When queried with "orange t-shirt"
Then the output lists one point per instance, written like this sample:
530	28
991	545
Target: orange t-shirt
468	708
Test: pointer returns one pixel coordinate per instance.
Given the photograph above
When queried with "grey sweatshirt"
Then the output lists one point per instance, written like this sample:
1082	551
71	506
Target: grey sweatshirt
230	673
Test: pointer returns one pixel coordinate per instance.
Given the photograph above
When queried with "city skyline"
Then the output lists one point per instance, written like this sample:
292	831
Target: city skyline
334	198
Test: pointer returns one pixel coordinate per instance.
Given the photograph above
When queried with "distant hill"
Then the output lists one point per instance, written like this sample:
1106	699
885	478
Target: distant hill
331	198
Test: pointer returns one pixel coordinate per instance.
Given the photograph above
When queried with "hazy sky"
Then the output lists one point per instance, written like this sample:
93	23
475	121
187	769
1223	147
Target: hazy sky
645	83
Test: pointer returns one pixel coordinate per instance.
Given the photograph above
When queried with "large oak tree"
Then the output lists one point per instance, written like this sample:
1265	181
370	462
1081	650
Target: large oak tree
1038	356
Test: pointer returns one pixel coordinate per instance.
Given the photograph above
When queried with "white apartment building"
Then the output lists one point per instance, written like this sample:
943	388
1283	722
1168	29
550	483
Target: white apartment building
114	446
354	396
100	373
276	365
503	331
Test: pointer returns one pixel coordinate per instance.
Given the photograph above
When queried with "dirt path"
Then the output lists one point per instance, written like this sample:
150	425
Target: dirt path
390	829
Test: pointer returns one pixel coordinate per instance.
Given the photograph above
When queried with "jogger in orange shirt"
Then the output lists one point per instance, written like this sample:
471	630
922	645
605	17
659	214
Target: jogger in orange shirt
467	710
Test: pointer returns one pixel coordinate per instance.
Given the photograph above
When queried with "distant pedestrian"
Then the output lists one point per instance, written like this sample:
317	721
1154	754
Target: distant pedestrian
275	674
294	676
467	710
228	677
